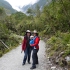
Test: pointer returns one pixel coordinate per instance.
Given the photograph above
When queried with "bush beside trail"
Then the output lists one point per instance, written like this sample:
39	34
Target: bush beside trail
12	42
59	49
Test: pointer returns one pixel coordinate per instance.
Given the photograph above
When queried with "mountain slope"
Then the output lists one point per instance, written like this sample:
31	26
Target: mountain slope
8	8
40	3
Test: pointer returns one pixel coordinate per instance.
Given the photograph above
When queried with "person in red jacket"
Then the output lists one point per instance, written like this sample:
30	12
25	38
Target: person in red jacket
26	47
35	49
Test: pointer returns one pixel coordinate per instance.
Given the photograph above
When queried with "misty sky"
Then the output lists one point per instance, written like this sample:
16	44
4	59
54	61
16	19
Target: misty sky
19	3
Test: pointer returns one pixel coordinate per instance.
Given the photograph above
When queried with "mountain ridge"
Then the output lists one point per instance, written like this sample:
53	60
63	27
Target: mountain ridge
40	3
8	8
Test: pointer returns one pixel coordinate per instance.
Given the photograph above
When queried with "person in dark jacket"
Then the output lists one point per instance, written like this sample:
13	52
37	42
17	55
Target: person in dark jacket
26	47
35	49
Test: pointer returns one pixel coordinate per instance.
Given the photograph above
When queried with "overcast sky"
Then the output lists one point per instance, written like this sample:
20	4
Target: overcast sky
19	3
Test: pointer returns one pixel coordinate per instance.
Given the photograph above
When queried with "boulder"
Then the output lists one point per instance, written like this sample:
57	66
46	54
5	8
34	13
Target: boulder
53	68
67	58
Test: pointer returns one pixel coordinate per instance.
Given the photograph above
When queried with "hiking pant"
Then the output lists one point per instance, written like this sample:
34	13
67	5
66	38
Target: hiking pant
35	57
27	54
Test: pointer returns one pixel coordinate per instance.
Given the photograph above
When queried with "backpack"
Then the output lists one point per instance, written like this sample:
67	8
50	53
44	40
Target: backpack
32	40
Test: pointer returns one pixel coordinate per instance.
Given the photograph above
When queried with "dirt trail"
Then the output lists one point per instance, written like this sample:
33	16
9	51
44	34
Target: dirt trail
13	59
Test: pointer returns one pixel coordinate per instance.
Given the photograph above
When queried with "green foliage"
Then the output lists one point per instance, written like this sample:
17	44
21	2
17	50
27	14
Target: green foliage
1	11
56	16
30	11
7	28
53	19
0	53
3	31
2	14
60	43
12	41
18	16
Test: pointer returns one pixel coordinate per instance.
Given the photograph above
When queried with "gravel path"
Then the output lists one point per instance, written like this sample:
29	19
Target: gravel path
13	60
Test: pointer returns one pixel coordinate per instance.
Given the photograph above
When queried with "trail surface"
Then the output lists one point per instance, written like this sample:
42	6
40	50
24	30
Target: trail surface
13	59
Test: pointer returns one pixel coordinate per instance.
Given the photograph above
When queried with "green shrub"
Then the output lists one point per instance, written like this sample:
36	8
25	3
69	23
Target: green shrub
52	40
12	41
67	51
60	42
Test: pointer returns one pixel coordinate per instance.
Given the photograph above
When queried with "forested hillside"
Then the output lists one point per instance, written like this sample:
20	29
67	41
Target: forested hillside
7	33
8	8
52	22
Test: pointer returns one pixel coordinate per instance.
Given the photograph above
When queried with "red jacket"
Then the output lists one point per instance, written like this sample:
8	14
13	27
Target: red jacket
24	44
36	42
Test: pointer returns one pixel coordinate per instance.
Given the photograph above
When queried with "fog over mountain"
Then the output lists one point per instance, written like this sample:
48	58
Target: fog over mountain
40	3
7	4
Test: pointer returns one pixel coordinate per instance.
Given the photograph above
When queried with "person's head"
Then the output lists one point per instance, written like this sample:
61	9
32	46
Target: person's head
31	37
28	33
35	33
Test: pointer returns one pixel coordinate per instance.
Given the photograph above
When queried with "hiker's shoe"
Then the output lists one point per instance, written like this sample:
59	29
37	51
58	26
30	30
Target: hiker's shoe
33	67
23	63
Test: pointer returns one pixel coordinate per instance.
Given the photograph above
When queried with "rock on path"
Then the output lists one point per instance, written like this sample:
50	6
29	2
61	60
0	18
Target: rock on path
13	60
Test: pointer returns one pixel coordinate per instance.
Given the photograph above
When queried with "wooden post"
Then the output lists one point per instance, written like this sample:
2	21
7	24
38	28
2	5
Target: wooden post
4	44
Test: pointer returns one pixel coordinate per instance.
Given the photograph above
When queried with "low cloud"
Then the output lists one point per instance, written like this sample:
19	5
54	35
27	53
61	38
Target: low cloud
20	3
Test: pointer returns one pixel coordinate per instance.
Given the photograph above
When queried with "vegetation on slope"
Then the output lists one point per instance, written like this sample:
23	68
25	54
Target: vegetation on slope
53	21
8	8
6	34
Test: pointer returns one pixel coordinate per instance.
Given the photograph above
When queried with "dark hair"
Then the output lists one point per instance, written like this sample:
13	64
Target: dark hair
37	34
